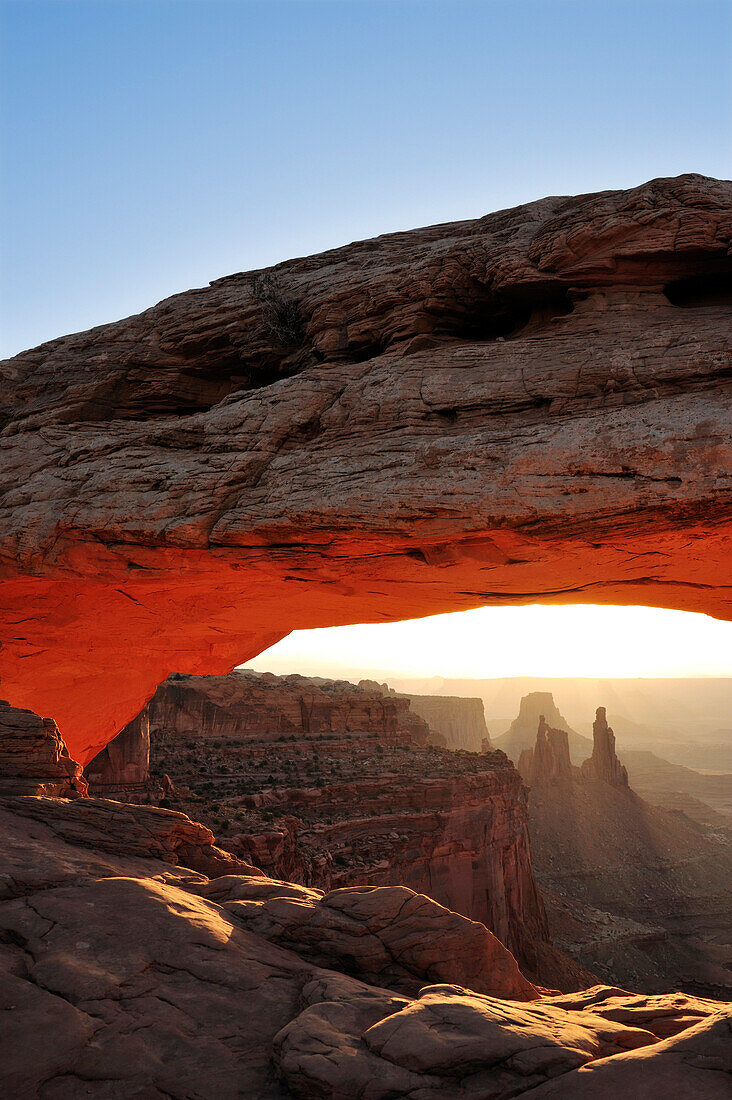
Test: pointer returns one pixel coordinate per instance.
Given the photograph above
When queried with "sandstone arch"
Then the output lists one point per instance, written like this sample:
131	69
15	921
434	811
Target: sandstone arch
532	406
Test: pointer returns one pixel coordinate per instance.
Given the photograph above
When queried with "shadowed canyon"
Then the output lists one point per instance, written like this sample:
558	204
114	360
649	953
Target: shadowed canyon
224	884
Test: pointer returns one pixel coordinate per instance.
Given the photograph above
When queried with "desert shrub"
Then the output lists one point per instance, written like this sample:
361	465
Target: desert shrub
282	315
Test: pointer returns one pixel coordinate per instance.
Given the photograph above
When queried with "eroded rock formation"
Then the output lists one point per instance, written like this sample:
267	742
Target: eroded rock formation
266	707
534	708
531	406
33	757
604	764
146	977
149	962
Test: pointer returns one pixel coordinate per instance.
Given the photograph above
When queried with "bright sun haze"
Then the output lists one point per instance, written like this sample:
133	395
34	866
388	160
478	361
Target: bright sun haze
535	640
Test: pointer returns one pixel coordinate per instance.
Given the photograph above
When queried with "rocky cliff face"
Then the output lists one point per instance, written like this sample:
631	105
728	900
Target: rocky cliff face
186	486
333	784
34	759
460	722
123	766
604	764
266	707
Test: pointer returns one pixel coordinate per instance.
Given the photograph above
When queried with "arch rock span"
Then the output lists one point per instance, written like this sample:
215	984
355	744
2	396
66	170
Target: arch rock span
533	406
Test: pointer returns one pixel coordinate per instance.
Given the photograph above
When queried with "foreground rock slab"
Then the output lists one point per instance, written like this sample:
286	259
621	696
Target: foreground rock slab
124	976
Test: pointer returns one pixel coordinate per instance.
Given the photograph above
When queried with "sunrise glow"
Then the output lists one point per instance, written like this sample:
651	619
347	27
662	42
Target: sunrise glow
536	640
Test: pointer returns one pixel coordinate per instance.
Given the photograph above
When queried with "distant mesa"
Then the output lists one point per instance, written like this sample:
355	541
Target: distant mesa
535	707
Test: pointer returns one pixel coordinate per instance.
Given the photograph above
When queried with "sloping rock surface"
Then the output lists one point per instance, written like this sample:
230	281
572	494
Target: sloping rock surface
125	829
390	935
123	976
533	405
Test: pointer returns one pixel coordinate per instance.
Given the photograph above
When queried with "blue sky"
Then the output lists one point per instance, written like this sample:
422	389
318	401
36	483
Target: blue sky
152	146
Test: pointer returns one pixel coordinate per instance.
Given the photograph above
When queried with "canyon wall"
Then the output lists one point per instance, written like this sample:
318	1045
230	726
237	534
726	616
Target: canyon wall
262	705
532	406
334	784
461	722
123	766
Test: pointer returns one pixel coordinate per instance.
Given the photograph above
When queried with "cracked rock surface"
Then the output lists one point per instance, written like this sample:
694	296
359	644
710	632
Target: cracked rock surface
531	406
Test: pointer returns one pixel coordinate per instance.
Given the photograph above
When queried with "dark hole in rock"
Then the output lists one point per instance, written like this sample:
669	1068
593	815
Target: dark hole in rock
494	317
700	290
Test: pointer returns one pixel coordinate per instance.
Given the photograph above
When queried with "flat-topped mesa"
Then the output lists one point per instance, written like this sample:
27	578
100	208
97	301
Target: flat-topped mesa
459	721
268	707
548	761
455	721
533	406
604	763
34	759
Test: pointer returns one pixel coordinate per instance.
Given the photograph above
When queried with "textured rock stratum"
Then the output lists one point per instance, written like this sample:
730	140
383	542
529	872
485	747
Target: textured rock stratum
531	406
263	706
33	757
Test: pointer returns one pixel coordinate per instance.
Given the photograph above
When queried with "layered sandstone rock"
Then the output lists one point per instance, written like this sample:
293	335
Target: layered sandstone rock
388	935
452	1043
365	808
332	784
34	758
604	764
128	829
265	707
534	405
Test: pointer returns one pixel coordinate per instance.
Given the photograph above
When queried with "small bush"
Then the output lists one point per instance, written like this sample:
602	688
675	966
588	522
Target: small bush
282	315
